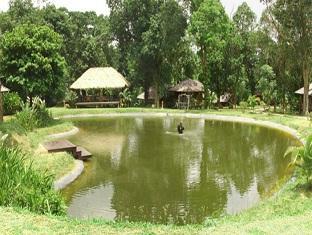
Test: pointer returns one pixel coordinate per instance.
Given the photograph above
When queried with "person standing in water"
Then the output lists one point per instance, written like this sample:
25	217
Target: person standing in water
180	128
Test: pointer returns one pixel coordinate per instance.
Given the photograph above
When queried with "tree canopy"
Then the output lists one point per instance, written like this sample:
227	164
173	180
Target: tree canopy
157	43
31	61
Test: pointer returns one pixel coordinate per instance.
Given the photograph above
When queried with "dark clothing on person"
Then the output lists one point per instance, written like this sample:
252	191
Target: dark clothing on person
180	128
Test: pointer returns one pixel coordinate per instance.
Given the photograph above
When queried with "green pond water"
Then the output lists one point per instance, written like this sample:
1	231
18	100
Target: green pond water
142	170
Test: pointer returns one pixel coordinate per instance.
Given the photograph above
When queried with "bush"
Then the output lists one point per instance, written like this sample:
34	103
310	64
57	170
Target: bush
243	105
26	117
34	116
22	186
302	157
11	103
71	98
42	115
252	101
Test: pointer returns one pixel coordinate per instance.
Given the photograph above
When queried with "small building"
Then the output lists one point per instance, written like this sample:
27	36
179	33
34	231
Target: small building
189	94
4	89
150	96
301	92
93	83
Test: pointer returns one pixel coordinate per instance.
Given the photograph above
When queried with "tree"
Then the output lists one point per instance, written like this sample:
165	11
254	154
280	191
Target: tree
267	84
210	27
129	19
292	23
148	34
31	61
160	42
244	21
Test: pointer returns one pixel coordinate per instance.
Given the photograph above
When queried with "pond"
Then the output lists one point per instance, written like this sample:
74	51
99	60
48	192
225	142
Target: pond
142	170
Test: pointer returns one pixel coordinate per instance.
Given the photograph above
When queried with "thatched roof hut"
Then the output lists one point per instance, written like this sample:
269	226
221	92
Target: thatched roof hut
4	89
100	78
188	86
301	90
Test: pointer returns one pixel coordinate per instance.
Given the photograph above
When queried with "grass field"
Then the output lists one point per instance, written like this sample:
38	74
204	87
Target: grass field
287	212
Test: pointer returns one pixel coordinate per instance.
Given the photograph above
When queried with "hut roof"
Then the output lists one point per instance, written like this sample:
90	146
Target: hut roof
301	90
151	94
97	78
188	86
4	89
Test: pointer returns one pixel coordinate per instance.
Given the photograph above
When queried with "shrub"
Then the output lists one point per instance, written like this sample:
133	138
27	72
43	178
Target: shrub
125	98
42	115
34	116
302	157
70	98
252	101
26	117
22	186
11	103
243	105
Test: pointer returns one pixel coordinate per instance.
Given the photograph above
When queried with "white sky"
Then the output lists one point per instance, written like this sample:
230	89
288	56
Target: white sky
100	6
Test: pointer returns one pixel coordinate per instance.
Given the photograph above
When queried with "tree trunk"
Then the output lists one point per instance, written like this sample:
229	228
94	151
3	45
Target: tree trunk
146	93
156	96
305	73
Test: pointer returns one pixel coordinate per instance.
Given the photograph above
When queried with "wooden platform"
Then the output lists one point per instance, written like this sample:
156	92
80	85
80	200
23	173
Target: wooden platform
98	104
66	146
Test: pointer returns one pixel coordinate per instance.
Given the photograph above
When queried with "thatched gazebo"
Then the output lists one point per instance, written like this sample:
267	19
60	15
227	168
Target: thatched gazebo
98	79
186	90
301	92
4	89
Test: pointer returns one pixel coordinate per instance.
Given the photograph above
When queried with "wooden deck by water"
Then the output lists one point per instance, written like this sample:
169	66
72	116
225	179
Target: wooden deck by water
66	146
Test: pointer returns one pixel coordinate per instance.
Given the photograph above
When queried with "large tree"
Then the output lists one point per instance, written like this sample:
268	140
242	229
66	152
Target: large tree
31	61
245	23
147	33
210	27
293	24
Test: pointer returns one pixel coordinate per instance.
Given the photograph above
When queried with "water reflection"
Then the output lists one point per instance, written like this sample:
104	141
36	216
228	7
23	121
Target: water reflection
143	170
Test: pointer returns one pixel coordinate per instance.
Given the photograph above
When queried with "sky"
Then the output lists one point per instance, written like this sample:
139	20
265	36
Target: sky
100	6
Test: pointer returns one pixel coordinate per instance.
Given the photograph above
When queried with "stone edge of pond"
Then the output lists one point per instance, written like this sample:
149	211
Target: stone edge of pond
77	170
217	117
73	131
69	177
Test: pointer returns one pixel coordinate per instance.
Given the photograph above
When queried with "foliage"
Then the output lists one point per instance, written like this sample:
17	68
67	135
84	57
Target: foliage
292	27
35	115
266	84
243	105
302	157
210	99
244	21
11	103
125	98
26	117
252	101
31	62
70	98
210	28
23	187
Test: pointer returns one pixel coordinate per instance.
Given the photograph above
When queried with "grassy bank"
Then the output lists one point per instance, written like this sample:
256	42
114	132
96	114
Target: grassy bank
57	164
288	212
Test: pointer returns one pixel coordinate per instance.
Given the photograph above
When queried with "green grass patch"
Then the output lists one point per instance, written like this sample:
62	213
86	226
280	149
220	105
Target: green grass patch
56	164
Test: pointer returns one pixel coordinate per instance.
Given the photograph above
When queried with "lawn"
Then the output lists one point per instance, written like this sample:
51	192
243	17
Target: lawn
287	212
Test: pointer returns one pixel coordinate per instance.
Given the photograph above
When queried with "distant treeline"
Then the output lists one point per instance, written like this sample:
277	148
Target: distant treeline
155	43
